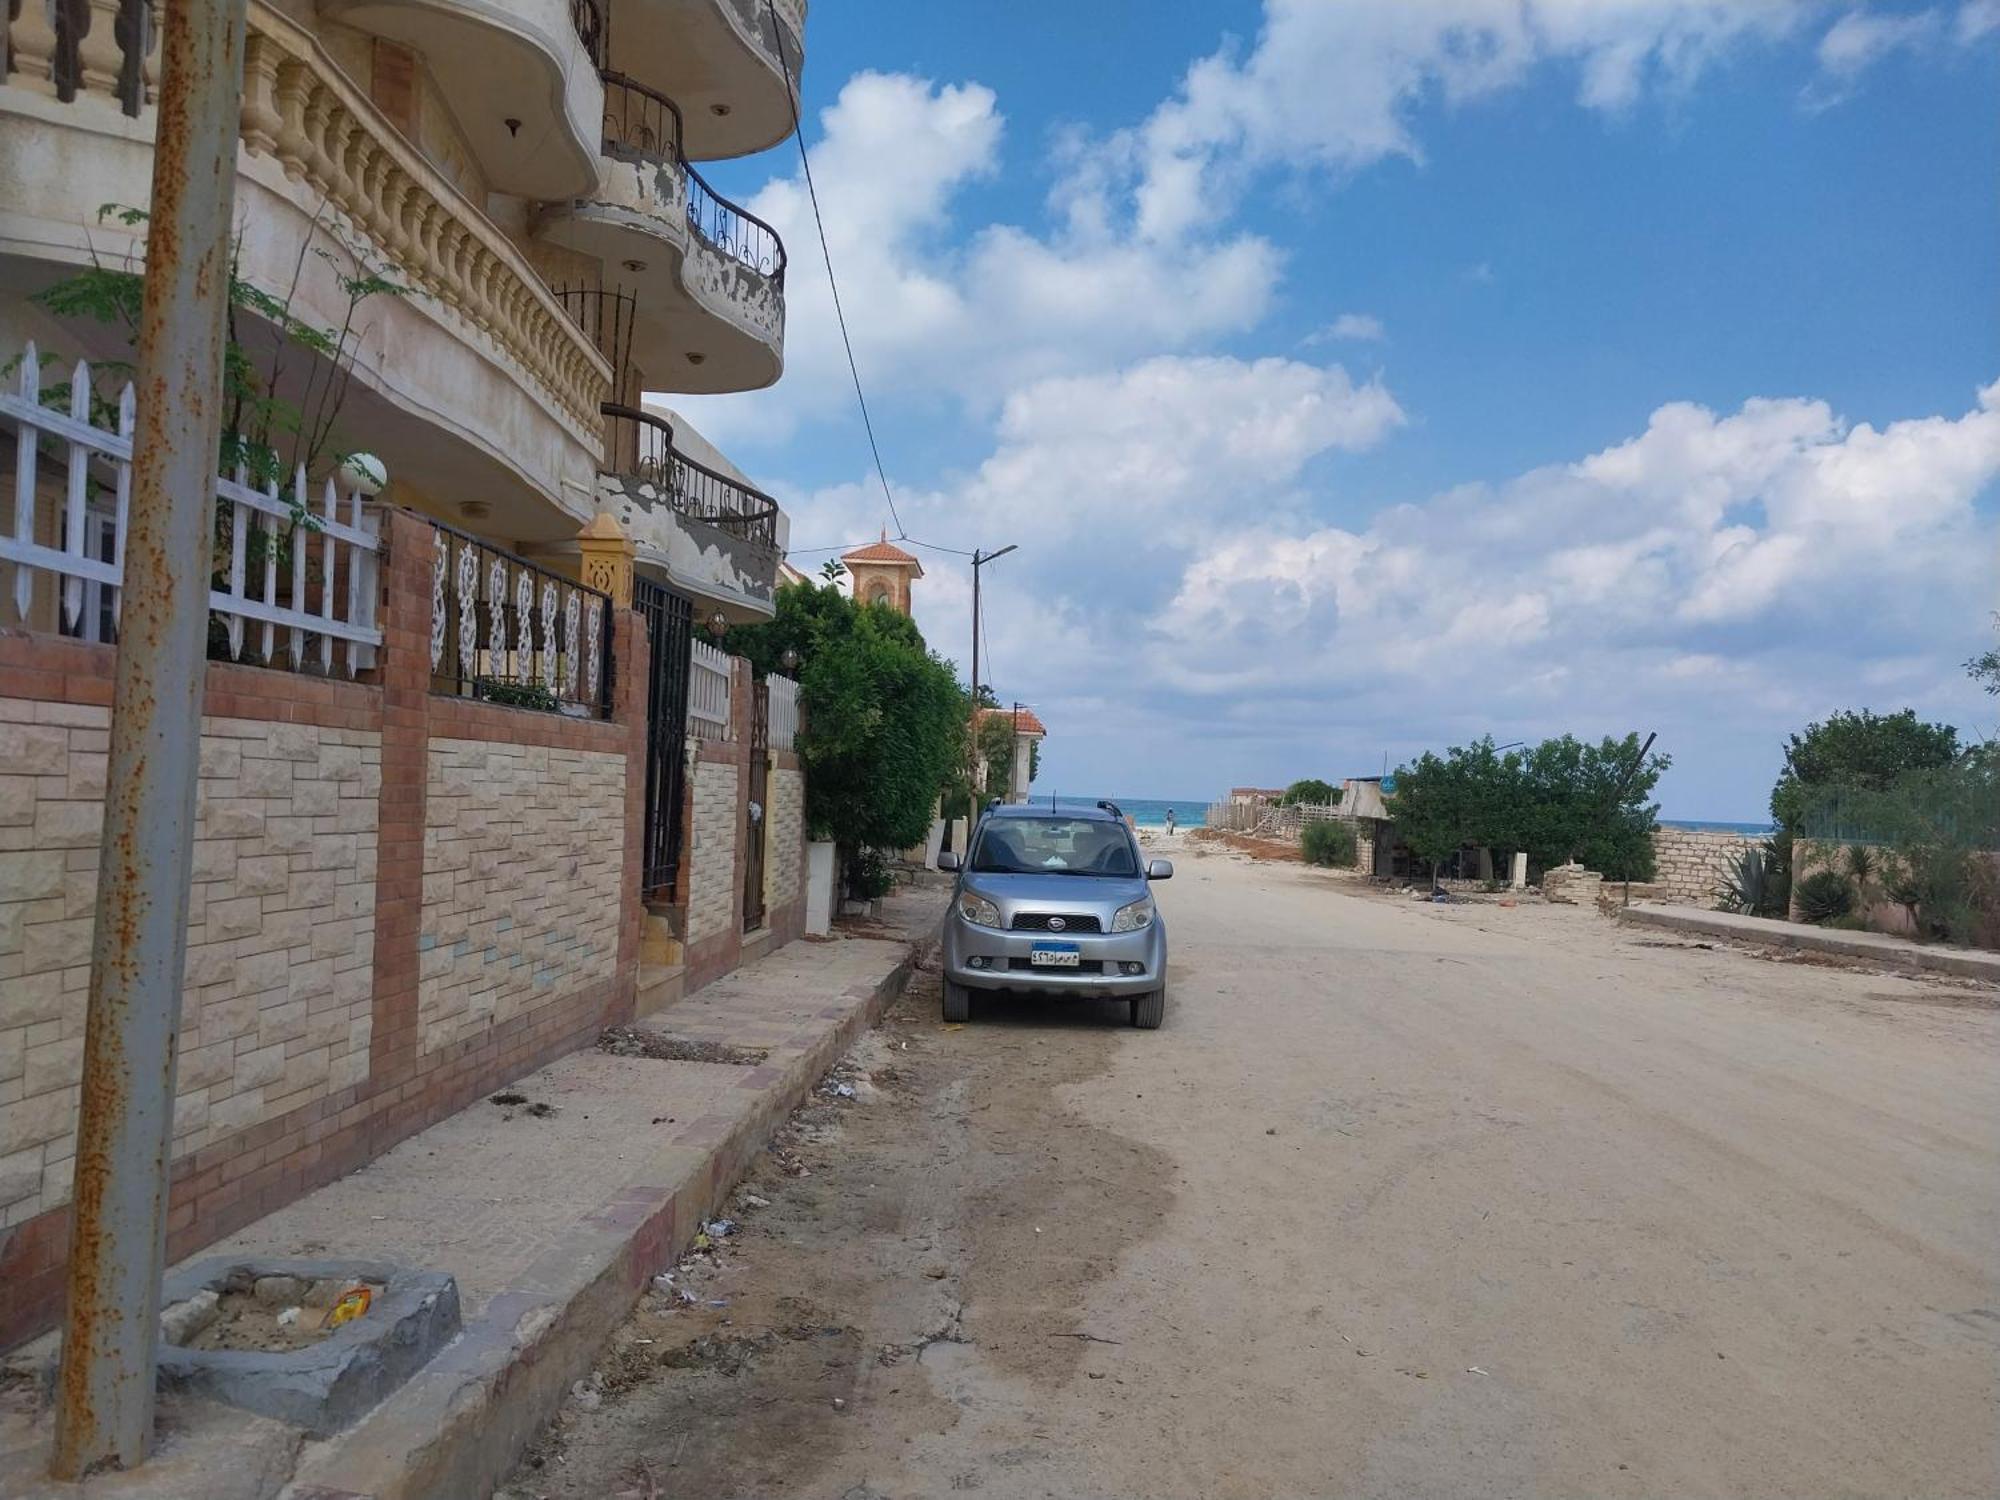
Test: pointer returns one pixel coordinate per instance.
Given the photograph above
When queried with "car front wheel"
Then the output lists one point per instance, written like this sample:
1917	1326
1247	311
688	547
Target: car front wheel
958	1002
1149	1009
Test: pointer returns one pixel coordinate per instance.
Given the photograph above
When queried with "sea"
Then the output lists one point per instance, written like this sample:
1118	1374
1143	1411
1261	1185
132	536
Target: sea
1145	812
1192	812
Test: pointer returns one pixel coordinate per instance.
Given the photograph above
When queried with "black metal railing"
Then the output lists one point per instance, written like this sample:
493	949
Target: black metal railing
669	621
508	631
606	314
645	448
593	29
645	121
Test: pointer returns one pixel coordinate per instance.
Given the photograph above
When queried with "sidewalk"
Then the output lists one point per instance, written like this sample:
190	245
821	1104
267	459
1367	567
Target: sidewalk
1891	952
552	1220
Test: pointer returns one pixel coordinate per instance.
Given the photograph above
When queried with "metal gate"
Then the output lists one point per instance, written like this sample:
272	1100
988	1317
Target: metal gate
670	627
754	813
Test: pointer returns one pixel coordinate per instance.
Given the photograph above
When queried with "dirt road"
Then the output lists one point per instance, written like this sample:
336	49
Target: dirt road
1402	1201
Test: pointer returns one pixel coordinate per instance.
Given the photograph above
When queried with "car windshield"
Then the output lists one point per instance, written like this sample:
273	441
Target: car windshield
1054	846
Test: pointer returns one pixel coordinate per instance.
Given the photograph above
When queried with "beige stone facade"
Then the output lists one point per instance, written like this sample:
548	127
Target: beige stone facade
281	929
524	853
784	851
711	904
1692	866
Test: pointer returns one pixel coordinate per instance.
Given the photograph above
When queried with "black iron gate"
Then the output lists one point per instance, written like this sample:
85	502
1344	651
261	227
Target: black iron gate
755	814
670	628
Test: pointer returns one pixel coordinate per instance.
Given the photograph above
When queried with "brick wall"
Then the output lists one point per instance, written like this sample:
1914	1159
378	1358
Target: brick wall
524	866
1691	865
304	1048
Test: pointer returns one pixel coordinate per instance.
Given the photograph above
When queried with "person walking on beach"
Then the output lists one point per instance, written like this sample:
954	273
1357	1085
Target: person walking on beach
1170	822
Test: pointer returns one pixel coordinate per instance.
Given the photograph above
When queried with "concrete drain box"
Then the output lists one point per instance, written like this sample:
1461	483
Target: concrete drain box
250	1333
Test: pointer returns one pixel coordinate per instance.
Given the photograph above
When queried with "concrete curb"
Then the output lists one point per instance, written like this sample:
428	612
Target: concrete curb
457	1428
1873	947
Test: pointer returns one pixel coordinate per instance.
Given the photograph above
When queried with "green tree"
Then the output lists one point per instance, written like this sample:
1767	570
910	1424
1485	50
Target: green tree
1985	668
996	751
1565	798
1862	750
1312	790
884	718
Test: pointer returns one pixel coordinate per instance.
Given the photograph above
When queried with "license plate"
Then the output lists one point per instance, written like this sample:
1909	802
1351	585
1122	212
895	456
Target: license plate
1055	955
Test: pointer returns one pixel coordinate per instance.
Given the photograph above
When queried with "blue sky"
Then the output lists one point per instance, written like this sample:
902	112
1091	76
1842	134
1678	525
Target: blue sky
1359	376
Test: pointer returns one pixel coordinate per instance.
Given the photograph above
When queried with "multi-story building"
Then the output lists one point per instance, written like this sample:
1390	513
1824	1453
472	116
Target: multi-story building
527	169
468	789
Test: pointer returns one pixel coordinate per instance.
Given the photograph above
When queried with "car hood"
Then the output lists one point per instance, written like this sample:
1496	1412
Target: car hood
1057	893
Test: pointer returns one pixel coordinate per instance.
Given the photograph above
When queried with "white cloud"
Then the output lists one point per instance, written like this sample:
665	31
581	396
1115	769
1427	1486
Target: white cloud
938	309
1358	327
1976	18
1862	38
1710	553
1335	86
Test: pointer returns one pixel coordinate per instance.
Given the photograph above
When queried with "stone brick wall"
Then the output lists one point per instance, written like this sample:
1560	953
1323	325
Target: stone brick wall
281	923
715	828
524	864
784	855
1691	865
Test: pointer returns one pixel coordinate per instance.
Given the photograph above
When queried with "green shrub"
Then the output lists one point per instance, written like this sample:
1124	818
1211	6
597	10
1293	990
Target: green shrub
1823	896
1319	793
518	694
1328	843
869	877
1760	885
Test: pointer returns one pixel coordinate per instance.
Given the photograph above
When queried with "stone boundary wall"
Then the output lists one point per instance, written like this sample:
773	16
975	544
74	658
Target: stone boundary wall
1692	865
289	1079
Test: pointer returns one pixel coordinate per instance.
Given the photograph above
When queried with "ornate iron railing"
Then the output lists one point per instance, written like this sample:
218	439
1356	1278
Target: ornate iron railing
690	486
507	631
670	627
644	120
593	29
607	315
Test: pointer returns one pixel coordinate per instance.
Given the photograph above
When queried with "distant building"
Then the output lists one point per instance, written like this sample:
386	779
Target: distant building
1029	731
882	573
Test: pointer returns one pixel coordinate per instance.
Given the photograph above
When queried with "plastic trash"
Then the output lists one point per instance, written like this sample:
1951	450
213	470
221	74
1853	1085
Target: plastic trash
721	1229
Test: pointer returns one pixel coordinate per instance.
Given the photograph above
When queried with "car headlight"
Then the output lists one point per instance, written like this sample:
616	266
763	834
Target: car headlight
1134	918
977	910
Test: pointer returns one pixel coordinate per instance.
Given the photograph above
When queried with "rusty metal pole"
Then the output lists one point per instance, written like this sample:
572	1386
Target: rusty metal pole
104	1400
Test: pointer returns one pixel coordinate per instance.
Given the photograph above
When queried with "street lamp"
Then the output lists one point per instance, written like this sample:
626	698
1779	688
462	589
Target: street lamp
979	560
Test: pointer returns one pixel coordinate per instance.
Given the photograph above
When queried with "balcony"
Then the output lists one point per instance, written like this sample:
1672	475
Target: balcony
477	383
733	64
520	77
711	534
707	278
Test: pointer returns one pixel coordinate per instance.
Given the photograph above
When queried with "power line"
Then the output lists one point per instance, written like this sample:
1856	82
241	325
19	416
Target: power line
850	546
839	313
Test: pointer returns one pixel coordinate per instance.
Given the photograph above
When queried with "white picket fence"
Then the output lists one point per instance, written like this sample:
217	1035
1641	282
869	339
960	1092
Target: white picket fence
784	712
80	547
708	692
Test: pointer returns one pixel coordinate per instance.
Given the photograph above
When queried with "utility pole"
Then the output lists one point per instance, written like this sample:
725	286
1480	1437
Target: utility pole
979	560
111	1329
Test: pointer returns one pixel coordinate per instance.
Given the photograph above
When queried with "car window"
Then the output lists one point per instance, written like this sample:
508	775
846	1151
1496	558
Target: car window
1054	846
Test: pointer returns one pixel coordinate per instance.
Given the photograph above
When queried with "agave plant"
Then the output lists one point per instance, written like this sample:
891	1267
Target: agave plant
1824	896
1746	888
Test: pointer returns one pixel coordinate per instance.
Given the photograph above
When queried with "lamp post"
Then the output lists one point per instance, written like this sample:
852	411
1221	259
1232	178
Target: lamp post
979	560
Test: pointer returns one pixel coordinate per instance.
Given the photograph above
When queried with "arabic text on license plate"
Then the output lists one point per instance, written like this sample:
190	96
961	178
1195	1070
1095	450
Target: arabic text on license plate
1055	955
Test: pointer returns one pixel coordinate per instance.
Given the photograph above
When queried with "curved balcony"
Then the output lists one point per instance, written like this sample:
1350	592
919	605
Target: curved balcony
521	77
708	277
711	534
733	64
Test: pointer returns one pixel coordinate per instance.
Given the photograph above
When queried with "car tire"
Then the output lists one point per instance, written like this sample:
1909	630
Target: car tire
1150	1009
957	1002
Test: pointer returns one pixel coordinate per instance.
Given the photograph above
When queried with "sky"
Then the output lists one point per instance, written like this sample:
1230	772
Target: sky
1360	377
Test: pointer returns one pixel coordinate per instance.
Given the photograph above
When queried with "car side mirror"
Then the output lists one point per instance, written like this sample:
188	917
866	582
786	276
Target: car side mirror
1160	869
947	860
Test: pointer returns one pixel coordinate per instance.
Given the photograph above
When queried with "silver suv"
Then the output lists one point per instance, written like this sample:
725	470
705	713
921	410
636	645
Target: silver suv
1056	903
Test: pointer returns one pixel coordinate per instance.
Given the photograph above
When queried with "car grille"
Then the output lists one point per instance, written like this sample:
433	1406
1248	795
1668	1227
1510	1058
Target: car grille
1038	921
1029	966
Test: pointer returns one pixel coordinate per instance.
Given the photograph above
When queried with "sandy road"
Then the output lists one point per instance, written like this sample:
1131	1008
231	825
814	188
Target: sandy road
1402	1201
